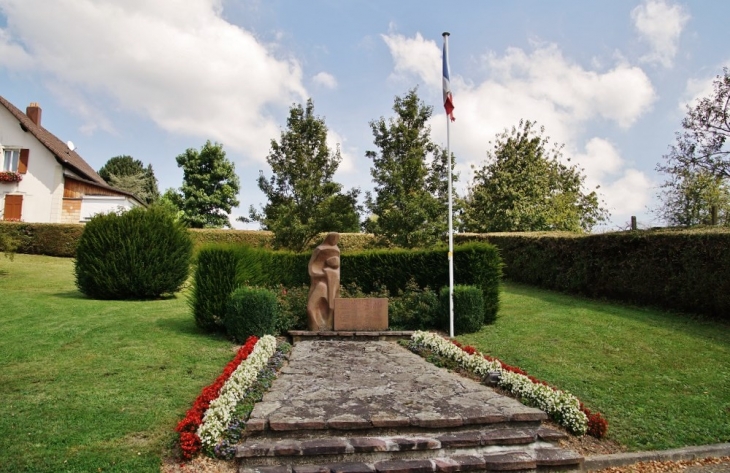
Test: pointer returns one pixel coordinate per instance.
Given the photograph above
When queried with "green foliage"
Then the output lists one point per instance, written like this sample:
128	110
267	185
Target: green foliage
221	268
414	308
210	187
686	271
704	145
293	308
468	309
251	311
688	199
138	254
129	174
8	245
51	239
525	186
409	207
303	199
214	281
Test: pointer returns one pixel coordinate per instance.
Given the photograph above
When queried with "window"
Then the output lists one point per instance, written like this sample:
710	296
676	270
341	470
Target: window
11	157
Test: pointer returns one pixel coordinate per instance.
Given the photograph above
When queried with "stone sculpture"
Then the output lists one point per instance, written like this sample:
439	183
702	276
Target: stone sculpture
324	273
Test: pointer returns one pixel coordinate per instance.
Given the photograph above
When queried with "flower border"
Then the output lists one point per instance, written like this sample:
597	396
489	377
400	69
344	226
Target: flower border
190	442
561	406
220	410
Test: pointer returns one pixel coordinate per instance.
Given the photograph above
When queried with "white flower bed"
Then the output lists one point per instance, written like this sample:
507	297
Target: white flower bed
562	406
219	412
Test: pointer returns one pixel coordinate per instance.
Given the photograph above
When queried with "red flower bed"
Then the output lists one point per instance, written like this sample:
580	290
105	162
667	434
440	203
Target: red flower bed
597	424
189	440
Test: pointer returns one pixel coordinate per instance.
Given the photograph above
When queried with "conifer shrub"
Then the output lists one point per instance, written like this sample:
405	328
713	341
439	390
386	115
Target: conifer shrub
142	253
468	309
214	281
251	311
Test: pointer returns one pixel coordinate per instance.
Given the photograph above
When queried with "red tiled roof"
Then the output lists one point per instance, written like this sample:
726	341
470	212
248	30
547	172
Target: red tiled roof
67	158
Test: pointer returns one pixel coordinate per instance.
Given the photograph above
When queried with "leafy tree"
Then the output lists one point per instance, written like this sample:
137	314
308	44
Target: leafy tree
703	145
410	205
688	198
698	165
524	186
303	199
210	186
129	174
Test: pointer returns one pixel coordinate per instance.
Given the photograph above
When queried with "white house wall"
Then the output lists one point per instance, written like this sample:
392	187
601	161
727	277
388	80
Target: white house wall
42	185
93	204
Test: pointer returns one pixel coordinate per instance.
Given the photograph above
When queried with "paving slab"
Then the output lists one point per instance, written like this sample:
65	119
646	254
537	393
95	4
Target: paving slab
336	384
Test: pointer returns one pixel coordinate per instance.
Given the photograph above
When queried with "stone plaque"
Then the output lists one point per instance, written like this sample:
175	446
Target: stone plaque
361	314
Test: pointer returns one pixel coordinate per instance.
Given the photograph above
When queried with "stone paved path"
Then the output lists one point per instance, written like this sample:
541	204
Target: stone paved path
375	384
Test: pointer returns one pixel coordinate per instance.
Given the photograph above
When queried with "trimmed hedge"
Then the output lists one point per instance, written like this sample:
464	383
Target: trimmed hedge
476	264
50	239
686	270
251	311
57	239
468	309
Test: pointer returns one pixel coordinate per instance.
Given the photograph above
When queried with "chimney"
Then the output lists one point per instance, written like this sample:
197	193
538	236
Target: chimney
34	113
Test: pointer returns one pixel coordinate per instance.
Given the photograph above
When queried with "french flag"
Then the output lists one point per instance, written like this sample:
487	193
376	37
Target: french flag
448	100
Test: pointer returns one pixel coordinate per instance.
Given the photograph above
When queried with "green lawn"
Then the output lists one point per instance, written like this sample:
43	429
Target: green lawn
91	385
662	380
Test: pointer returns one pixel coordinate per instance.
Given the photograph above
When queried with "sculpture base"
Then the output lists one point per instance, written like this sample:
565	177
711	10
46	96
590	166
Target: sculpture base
361	314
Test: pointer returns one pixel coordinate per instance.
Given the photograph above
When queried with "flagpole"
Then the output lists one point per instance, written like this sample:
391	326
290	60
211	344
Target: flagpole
451	220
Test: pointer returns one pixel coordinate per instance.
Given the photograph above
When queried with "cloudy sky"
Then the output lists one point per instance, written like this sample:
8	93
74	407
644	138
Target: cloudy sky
610	79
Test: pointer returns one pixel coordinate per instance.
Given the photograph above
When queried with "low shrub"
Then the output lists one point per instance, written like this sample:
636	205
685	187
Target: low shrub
251	311
414	308
138	254
293	308
468	309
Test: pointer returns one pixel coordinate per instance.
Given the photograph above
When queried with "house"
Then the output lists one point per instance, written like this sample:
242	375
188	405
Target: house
43	180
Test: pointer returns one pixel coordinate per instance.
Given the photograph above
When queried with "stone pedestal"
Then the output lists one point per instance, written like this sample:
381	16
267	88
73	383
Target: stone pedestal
361	314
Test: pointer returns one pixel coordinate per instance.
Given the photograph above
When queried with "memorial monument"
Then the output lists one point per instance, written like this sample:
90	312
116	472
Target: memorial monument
324	273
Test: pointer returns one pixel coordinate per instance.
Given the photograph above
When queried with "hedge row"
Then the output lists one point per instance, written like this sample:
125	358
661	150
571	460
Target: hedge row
50	239
687	271
222	268
56	239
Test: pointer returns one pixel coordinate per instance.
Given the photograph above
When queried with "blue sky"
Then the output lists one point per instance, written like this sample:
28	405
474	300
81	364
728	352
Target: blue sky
607	79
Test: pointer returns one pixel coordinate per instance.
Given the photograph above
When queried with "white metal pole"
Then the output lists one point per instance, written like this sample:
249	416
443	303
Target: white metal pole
451	221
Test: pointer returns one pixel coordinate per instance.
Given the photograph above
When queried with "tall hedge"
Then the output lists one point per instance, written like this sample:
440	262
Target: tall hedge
475	264
686	271
50	239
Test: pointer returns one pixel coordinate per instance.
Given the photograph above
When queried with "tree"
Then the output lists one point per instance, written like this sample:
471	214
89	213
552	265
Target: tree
129	174
524	186
689	197
703	145
410	203
209	189
698	165
303	199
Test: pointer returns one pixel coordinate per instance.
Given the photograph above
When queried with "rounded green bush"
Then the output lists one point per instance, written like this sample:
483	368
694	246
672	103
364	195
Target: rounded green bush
468	309
251	311
142	253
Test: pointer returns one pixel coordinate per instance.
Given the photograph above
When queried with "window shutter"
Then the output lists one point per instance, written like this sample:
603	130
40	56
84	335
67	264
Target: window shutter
23	162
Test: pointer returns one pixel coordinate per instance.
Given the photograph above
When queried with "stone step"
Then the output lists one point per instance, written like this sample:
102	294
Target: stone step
254	447
270	451
552	459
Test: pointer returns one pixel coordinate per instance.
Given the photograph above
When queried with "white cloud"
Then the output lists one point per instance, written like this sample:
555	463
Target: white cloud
178	62
660	24
415	56
334	140
544	86
325	80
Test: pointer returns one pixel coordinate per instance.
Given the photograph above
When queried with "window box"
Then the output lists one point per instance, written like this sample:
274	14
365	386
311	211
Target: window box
10	176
